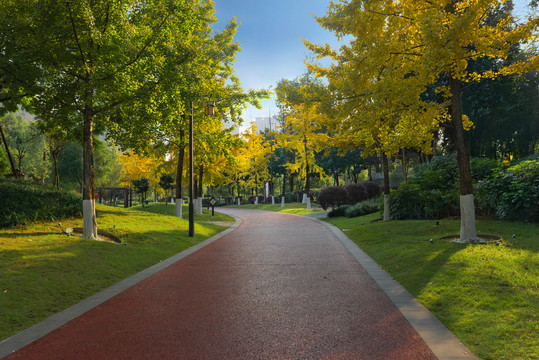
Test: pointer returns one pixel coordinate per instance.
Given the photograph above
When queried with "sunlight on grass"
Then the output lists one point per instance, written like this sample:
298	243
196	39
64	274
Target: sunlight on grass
488	295
45	271
291	208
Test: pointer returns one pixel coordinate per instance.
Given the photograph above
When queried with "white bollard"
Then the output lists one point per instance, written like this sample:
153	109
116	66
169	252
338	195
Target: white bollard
309	204
282	201
179	208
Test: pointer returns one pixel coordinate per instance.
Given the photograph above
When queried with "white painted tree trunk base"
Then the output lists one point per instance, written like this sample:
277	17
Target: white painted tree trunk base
309	204
282	201
387	209
199	212
468	230
239	201
256	200
304	200
273	200
89	229
179	208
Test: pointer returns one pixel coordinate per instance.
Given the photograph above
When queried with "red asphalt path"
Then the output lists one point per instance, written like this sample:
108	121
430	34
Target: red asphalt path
278	287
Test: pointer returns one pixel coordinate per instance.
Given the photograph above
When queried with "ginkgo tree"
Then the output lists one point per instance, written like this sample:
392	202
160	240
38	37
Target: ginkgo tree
302	133
193	69
399	48
254	159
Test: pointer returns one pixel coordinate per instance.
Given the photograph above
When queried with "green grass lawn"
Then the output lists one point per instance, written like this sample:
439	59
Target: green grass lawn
291	208
488	295
45	271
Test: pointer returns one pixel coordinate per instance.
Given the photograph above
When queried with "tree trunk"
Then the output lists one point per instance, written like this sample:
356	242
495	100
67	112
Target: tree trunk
284	172
404	172
191	170
88	209
56	172
8	153
200	178
178	211
468	232
385	167
307	168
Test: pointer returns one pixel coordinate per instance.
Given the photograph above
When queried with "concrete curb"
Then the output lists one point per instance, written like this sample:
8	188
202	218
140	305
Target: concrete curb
443	343
25	337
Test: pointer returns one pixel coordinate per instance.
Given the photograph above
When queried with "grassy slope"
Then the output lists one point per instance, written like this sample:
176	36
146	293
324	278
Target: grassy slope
44	271
488	295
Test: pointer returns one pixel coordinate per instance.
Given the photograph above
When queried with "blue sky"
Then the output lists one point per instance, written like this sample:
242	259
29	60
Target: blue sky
270	35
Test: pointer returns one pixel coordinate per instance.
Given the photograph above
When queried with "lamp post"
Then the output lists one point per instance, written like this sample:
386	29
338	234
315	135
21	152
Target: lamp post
191	185
210	111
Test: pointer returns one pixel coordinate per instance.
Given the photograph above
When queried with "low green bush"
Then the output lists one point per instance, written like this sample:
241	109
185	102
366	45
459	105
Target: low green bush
441	173
362	208
412	202
512	194
338	211
24	202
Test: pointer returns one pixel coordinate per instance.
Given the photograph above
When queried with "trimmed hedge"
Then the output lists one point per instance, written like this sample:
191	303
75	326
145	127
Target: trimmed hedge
332	196
23	202
356	193
373	189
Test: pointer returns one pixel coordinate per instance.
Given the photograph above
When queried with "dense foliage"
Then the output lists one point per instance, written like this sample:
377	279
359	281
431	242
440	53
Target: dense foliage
23	202
432	192
356	193
512	194
332	196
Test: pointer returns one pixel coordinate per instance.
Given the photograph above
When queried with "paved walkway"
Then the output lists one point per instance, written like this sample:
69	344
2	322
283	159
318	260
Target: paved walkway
276	287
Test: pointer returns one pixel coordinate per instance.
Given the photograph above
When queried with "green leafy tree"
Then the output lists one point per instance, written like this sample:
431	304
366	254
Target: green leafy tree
165	182
142	186
96	57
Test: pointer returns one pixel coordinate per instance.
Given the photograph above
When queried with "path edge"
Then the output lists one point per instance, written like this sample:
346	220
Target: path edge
442	342
36	331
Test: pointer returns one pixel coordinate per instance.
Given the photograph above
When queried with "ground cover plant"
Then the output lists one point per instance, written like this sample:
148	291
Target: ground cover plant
488	295
45	271
23	202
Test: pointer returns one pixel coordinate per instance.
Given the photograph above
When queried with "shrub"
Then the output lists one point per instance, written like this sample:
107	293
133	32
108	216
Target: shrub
23	202
411	202
440	174
363	208
332	196
373	189
338	211
513	194
356	193
482	168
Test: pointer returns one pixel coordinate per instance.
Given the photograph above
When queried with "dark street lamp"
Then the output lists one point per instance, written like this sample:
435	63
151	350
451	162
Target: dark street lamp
210	111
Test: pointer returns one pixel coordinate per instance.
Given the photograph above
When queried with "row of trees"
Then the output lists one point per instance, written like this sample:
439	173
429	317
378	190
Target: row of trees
401	75
126	67
138	71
